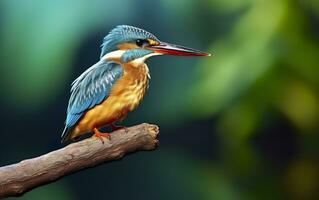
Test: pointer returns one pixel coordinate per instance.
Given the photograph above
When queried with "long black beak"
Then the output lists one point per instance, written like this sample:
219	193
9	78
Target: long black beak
172	49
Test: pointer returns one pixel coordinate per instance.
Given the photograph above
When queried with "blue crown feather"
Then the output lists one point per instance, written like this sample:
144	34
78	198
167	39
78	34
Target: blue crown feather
121	34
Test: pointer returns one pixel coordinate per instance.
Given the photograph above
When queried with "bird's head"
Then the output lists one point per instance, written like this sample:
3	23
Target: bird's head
132	43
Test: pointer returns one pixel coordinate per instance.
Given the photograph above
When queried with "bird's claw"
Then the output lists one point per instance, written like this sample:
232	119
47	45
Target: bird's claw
101	135
115	128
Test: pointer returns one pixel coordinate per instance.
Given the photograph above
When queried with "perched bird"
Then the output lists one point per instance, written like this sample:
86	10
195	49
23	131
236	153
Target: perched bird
115	85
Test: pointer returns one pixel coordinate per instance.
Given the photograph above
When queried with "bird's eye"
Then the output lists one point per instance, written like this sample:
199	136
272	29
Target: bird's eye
141	43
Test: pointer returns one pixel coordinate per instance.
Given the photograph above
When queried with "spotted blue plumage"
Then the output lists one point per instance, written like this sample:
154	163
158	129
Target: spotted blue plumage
122	34
90	89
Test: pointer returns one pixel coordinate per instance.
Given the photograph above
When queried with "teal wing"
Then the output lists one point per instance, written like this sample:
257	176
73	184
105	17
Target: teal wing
90	89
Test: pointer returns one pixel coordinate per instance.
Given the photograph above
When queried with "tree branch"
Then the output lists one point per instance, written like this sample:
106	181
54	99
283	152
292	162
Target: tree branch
19	178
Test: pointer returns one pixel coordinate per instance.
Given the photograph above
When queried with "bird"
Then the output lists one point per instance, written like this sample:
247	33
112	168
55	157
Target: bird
108	90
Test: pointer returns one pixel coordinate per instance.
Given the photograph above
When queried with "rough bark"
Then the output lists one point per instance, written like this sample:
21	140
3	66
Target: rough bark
19	178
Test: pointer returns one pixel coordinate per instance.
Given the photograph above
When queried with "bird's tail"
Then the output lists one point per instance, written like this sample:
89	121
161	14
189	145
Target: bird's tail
65	134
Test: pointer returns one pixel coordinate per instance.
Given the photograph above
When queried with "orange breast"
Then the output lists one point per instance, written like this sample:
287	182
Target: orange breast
124	97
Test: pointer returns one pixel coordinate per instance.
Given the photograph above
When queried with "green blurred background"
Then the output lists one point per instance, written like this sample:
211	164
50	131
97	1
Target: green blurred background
241	124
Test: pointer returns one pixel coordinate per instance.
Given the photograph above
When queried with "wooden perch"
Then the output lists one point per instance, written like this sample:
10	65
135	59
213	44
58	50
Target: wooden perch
19	178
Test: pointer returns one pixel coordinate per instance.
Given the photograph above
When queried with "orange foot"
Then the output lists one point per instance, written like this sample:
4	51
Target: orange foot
101	135
114	127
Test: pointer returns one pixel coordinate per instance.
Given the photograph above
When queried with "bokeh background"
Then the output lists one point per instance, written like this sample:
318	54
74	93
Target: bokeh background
241	124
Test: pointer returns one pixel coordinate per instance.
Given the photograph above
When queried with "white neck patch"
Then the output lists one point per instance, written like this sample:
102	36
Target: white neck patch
141	60
113	55
116	56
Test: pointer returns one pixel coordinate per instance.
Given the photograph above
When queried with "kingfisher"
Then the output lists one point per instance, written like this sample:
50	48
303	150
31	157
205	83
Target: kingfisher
107	91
